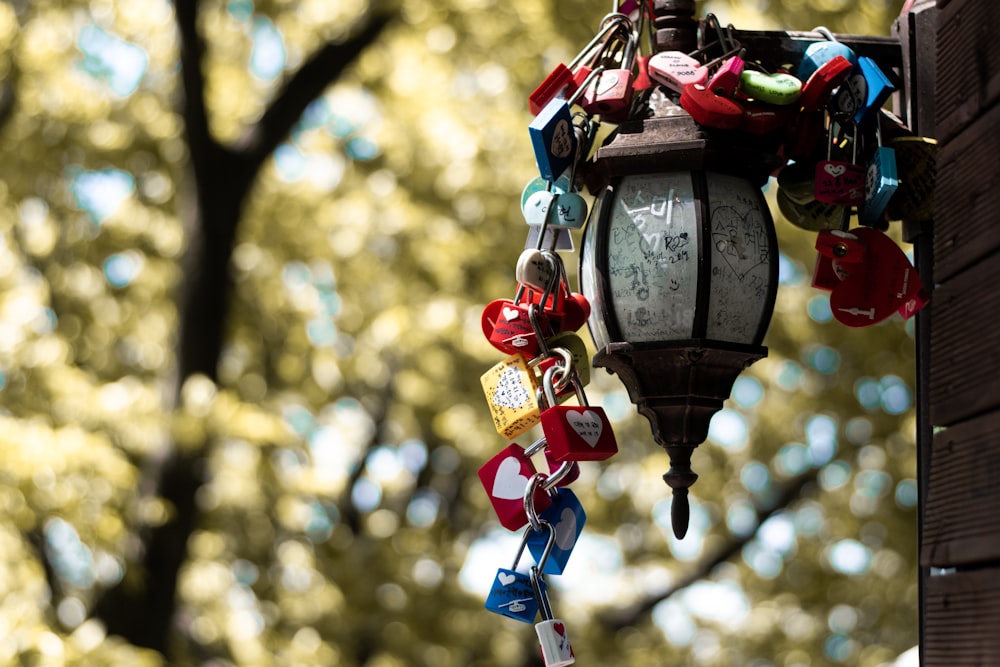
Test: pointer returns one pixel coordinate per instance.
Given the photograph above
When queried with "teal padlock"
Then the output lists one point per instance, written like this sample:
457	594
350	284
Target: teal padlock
780	88
881	181
567	210
819	53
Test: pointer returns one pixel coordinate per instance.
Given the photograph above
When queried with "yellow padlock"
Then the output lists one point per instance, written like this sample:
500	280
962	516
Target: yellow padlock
512	394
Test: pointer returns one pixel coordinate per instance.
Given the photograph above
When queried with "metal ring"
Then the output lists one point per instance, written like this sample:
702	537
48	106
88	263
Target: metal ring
529	501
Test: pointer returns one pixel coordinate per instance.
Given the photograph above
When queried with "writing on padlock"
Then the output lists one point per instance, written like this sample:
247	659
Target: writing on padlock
567	518
505	477
512	596
552	638
515	594
553	139
840	182
780	88
536	269
873	284
575	433
514	327
511	394
563	210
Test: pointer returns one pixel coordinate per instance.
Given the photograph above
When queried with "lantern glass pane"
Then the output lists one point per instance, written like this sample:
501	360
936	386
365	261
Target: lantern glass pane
653	256
741	259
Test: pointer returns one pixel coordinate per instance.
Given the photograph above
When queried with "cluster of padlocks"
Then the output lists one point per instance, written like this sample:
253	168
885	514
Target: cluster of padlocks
546	365
840	154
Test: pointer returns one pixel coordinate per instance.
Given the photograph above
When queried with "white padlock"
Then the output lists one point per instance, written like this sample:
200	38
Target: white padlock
536	269
552	637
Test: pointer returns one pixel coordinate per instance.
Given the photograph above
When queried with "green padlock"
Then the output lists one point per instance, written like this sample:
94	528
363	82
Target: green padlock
798	181
780	88
916	161
813	216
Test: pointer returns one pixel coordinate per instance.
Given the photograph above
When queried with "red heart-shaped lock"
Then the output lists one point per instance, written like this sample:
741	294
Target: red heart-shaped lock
873	284
816	91
507	326
711	110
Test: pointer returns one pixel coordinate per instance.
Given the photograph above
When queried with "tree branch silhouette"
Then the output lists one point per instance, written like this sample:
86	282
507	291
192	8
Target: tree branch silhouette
635	613
142	607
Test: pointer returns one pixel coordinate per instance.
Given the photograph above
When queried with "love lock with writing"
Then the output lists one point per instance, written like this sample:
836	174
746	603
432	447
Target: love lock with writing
513	592
840	182
566	210
780	88
506	477
873	284
576	433
567	518
508	326
881	182
675	69
552	638
536	268
762	118
511	394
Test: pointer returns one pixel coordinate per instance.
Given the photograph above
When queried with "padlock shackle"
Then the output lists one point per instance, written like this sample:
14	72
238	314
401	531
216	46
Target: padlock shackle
541	596
602	34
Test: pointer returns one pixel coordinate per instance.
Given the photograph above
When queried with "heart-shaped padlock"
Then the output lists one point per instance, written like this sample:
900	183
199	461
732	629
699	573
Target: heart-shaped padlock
536	269
675	70
711	110
820	86
874	284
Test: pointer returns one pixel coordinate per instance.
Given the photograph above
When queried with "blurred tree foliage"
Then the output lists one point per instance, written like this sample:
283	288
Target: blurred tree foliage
240	350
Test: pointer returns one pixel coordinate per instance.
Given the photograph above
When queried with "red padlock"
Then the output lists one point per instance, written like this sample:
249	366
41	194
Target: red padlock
508	326
576	432
610	95
818	88
711	110
761	119
505	478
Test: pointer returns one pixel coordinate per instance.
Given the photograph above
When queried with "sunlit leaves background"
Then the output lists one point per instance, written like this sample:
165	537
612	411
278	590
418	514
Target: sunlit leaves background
342	522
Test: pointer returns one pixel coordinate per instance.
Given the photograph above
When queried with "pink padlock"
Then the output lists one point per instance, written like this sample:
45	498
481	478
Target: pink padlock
726	79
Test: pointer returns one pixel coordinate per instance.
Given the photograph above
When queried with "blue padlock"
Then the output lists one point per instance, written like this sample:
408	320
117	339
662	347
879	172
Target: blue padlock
881	182
553	139
512	594
567	518
879	88
819	53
